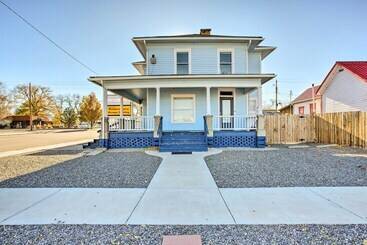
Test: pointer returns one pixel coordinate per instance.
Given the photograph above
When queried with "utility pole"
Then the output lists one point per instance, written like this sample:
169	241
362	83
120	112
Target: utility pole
313	99
276	95
30	106
290	96
290	101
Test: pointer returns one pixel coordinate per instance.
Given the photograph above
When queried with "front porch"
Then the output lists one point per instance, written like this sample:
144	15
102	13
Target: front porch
219	131
186	114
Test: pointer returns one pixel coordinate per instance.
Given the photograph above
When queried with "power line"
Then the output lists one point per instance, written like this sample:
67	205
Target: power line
48	38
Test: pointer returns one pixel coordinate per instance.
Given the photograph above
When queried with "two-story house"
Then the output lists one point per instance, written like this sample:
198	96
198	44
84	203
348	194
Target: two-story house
194	90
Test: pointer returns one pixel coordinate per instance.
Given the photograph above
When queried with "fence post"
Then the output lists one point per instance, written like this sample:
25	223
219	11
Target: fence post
260	132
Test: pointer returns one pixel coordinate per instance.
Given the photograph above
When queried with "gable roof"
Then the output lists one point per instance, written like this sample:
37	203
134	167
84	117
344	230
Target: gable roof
358	68
306	95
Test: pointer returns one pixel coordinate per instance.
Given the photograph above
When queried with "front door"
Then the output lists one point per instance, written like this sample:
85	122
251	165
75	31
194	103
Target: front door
226	112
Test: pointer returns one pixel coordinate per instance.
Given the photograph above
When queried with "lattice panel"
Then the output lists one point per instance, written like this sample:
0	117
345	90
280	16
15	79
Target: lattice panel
234	141
131	140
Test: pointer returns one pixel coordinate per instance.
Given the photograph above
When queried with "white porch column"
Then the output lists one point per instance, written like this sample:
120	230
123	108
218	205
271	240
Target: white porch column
259	101
104	113
158	101
208	103
121	106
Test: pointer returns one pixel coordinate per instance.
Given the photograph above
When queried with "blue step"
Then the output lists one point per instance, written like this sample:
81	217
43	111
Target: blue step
183	141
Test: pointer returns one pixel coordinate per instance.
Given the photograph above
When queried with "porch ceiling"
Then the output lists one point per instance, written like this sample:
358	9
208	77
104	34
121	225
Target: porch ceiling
137	94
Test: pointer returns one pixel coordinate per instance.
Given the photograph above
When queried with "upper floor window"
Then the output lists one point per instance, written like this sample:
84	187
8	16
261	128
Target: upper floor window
182	62
225	62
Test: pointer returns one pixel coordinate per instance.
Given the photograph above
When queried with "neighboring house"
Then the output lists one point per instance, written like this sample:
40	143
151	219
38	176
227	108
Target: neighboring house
270	111
23	121
286	110
193	90
307	102
345	87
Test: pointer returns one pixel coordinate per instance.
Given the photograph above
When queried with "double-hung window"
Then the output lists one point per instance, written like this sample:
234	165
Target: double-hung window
183	108
252	102
182	62
225	62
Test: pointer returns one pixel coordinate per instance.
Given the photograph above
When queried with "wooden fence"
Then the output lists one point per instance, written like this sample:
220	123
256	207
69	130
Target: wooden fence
344	128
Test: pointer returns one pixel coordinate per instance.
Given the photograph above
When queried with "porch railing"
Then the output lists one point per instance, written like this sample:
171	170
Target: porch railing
237	122
135	123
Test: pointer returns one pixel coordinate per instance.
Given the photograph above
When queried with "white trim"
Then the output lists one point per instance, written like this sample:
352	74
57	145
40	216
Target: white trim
247	58
147	60
233	90
199	38
231	50
183	83
208	101
147	104
176	50
157	101
194	107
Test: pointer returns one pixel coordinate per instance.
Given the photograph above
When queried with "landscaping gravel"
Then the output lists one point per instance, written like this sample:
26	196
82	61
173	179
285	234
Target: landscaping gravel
14	166
289	167
105	170
219	234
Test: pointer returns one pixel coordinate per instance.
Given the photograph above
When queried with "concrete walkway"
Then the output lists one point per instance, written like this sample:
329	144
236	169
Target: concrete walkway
183	192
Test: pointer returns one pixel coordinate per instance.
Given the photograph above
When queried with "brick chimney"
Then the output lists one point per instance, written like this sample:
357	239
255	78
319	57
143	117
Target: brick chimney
205	32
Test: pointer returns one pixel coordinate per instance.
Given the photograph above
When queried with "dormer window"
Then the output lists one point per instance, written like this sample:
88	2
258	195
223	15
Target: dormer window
225	62
182	58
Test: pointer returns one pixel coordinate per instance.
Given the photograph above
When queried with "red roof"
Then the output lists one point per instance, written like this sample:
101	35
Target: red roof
306	95
357	67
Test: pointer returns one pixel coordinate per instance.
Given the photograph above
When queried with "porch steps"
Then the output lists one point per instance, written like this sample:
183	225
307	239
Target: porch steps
183	141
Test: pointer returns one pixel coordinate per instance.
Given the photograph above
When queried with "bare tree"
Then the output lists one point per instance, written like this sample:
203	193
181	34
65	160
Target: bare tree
42	100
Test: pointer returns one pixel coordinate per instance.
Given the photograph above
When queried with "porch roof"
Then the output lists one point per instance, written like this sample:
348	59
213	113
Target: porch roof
143	78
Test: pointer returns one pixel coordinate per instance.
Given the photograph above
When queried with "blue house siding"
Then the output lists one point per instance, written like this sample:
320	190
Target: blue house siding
200	99
164	56
204	57
254	65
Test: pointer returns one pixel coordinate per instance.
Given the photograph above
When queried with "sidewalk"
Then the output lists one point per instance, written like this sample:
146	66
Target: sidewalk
184	192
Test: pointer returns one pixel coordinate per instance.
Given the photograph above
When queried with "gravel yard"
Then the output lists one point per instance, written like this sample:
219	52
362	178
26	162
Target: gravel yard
285	167
71	168
220	234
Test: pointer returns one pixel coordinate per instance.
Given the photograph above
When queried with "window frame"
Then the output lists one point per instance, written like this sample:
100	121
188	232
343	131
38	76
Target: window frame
299	110
225	50
182	50
253	112
173	96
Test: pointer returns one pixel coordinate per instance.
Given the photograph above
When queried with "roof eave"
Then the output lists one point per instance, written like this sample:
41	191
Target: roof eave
264	77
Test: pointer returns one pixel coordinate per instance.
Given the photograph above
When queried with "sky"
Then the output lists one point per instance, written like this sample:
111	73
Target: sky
309	35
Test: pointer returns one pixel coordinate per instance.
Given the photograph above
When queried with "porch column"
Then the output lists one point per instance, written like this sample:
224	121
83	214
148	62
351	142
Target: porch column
209	117
260	121
157	116
104	131
158	101
121	106
259	101
208	104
